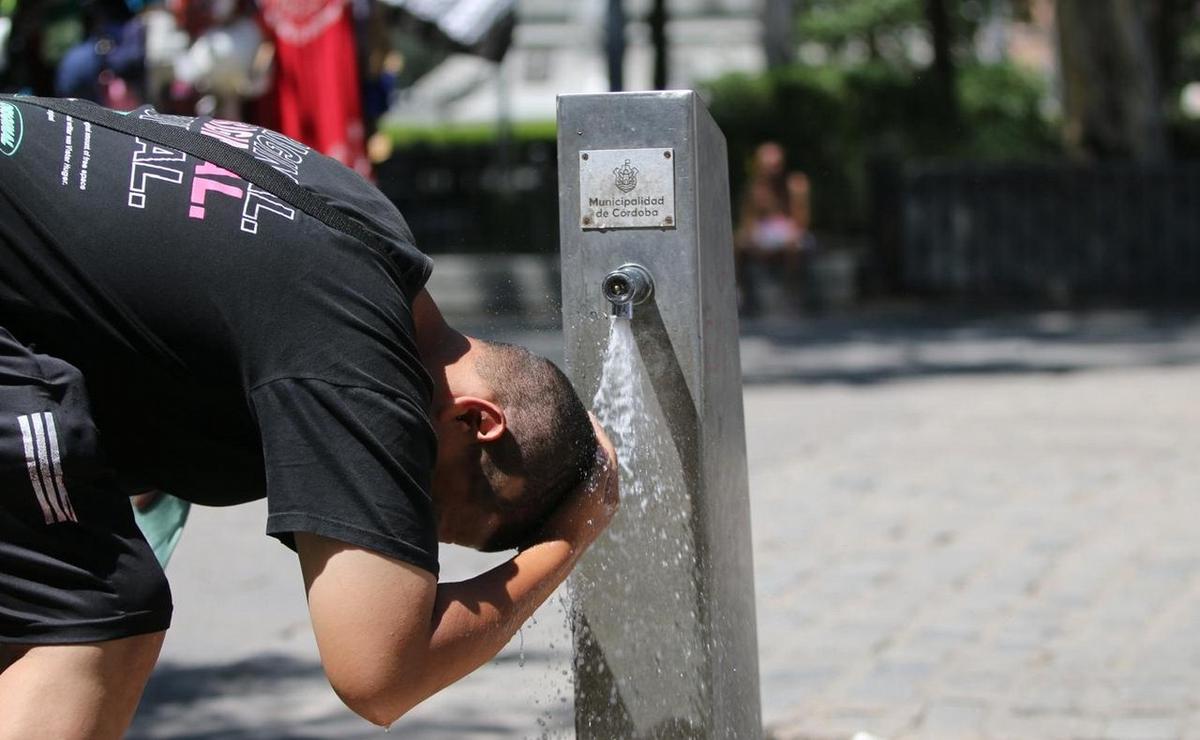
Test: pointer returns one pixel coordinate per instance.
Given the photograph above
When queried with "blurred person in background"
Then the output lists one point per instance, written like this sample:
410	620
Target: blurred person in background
40	35
108	65
228	65
773	229
290	66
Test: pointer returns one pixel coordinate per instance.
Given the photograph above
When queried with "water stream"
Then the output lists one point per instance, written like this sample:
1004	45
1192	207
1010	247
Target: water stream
619	403
639	593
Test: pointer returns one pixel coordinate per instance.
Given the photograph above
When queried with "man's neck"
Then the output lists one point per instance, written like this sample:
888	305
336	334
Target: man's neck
440	345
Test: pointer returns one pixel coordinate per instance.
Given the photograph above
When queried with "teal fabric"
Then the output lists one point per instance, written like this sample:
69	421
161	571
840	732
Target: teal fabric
162	524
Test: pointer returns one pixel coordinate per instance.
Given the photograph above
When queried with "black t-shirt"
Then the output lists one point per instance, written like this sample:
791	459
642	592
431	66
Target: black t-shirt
233	346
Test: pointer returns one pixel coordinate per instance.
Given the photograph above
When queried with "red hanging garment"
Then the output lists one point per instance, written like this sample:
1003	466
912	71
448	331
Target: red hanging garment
317	86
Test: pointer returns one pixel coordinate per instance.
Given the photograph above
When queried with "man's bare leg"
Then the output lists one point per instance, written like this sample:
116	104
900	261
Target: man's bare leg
74	692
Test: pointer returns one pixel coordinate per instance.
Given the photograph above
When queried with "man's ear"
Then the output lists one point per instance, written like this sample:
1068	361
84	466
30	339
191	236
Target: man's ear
480	417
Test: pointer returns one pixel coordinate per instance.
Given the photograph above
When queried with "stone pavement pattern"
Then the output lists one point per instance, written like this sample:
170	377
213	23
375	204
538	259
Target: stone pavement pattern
989	557
963	528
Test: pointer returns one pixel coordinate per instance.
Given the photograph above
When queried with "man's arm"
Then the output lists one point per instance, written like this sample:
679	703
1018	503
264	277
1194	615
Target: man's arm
390	636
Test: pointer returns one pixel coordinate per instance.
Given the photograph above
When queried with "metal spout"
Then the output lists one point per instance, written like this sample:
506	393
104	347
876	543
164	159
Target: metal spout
627	286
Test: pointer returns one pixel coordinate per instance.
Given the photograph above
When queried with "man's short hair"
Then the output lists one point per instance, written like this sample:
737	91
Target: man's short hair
549	442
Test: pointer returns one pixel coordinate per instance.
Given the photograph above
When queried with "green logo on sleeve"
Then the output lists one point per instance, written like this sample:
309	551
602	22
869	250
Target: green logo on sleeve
12	127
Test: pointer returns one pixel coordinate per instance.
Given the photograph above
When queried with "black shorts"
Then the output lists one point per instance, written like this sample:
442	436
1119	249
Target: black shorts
73	565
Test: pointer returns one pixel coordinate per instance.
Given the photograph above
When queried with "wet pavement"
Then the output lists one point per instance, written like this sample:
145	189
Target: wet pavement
964	526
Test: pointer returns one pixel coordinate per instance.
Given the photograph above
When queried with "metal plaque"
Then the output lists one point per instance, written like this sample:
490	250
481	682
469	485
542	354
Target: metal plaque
627	188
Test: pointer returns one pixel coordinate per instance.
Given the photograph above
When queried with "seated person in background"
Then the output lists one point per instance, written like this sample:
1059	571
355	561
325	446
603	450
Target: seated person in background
166	323
773	227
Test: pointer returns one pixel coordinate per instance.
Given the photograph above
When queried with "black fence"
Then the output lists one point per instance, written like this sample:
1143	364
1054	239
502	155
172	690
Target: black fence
1055	232
489	198
1059	232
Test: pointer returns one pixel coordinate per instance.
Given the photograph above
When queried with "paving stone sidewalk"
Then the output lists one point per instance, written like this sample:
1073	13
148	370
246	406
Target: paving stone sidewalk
964	527
993	535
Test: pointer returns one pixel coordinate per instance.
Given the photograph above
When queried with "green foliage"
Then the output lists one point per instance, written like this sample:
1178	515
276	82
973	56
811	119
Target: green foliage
464	135
837	21
837	122
884	27
1188	50
1002	114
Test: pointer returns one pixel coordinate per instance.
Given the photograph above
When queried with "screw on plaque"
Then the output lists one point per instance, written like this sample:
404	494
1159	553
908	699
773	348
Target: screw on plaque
587	220
584	155
668	220
667	155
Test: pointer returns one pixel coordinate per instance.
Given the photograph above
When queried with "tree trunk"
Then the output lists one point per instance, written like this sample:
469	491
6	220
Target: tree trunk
614	45
1167	21
1111	100
779	32
938	18
658	40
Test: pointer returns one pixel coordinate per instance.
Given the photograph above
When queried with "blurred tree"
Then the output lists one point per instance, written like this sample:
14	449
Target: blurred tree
937	16
1184	65
614	44
779	32
657	20
885	29
837	120
1175	34
1112	94
878	24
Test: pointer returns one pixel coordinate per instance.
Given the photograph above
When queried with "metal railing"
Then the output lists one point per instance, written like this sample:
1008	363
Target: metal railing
476	199
1060	232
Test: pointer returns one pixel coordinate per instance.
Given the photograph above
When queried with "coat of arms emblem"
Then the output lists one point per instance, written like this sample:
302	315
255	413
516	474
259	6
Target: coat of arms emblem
626	177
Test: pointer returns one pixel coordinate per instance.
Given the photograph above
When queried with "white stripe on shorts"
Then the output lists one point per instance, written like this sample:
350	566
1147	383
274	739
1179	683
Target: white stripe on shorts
40	458
56	467
35	477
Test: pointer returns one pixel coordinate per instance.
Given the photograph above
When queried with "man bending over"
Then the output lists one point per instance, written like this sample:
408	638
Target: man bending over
170	323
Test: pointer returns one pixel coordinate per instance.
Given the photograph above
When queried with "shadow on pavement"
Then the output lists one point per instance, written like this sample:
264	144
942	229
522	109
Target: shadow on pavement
863	349
875	345
181	701
277	697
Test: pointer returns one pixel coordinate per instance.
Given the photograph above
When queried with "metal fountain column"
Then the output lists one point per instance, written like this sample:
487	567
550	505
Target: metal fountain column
665	632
